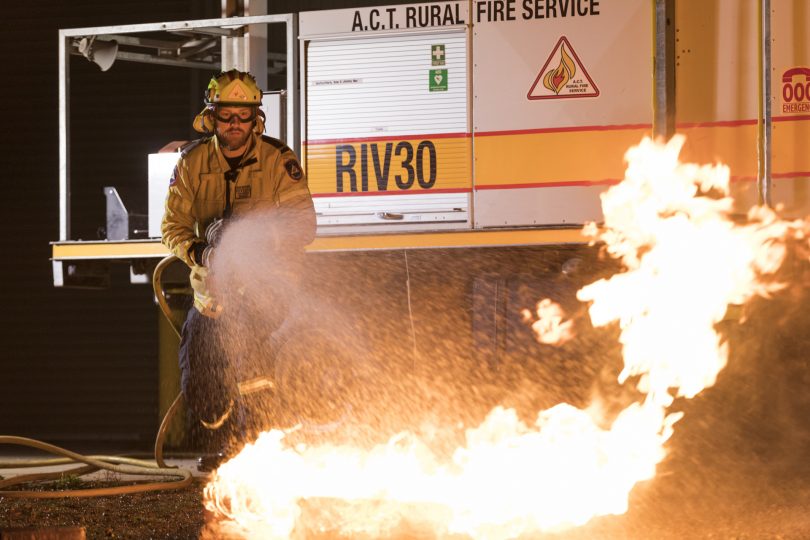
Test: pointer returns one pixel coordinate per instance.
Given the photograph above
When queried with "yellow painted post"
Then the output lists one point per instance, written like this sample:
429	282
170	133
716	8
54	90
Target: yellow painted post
169	379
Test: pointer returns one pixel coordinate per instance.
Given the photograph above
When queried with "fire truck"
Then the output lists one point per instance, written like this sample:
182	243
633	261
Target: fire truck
454	150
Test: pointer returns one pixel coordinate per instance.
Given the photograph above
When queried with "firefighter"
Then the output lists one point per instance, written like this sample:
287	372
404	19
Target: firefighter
233	171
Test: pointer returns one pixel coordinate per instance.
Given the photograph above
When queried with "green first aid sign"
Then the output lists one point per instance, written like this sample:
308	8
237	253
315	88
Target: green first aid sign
437	55
438	80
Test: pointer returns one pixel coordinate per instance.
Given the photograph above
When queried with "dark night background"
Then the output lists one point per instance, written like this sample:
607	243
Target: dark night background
81	365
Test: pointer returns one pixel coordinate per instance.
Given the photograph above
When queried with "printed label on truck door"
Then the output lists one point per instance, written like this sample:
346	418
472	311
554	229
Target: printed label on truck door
796	90
435	164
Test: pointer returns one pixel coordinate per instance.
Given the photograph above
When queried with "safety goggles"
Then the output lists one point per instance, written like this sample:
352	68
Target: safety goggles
244	116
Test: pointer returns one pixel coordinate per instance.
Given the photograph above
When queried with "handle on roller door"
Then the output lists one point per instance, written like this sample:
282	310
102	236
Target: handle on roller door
390	216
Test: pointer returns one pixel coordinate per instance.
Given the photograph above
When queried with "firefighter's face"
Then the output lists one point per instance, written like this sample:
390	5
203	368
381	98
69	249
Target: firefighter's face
233	125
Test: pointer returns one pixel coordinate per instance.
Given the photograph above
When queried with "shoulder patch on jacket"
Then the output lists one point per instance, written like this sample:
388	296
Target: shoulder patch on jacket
294	169
280	146
191	145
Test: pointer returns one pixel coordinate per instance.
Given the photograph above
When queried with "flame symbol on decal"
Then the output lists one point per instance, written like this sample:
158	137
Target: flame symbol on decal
556	79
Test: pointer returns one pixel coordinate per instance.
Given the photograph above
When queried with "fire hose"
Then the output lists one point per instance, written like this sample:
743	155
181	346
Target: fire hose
90	464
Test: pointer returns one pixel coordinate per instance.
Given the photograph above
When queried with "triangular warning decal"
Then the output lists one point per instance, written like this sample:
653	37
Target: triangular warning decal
238	92
563	76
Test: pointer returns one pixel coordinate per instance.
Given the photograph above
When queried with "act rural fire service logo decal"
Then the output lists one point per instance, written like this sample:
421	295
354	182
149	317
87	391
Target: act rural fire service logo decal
569	79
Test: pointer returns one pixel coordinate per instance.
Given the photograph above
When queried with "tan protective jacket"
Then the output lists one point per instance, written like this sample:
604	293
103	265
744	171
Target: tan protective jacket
197	197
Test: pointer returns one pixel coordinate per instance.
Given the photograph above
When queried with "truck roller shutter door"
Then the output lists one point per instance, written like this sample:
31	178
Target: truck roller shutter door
386	139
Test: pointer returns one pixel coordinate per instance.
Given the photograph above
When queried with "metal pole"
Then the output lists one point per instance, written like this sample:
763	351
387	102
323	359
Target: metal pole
293	104
764	116
64	143
664	69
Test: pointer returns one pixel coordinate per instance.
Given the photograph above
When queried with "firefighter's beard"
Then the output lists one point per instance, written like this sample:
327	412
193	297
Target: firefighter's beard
233	138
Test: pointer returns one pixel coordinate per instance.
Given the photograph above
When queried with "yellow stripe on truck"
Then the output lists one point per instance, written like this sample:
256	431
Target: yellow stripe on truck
791	136
732	143
575	157
596	155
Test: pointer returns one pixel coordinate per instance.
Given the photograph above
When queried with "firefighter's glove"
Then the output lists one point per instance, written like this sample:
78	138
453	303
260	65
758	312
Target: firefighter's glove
200	253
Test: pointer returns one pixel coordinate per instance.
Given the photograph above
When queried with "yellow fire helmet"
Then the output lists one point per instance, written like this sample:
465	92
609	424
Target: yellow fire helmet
230	88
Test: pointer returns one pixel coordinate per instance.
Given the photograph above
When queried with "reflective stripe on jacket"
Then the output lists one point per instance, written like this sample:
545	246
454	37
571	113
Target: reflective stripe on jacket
197	196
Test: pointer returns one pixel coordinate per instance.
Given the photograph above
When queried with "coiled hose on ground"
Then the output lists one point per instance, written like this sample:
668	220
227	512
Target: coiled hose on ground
115	464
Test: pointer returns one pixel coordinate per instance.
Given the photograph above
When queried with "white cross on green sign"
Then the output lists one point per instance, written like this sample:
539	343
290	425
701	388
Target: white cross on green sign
438	80
437	55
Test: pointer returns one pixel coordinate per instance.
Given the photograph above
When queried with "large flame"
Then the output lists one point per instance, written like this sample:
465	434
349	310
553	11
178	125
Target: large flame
551	327
671	226
685	260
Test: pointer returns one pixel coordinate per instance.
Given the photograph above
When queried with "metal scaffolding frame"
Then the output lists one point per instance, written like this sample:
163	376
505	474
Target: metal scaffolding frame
190	44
